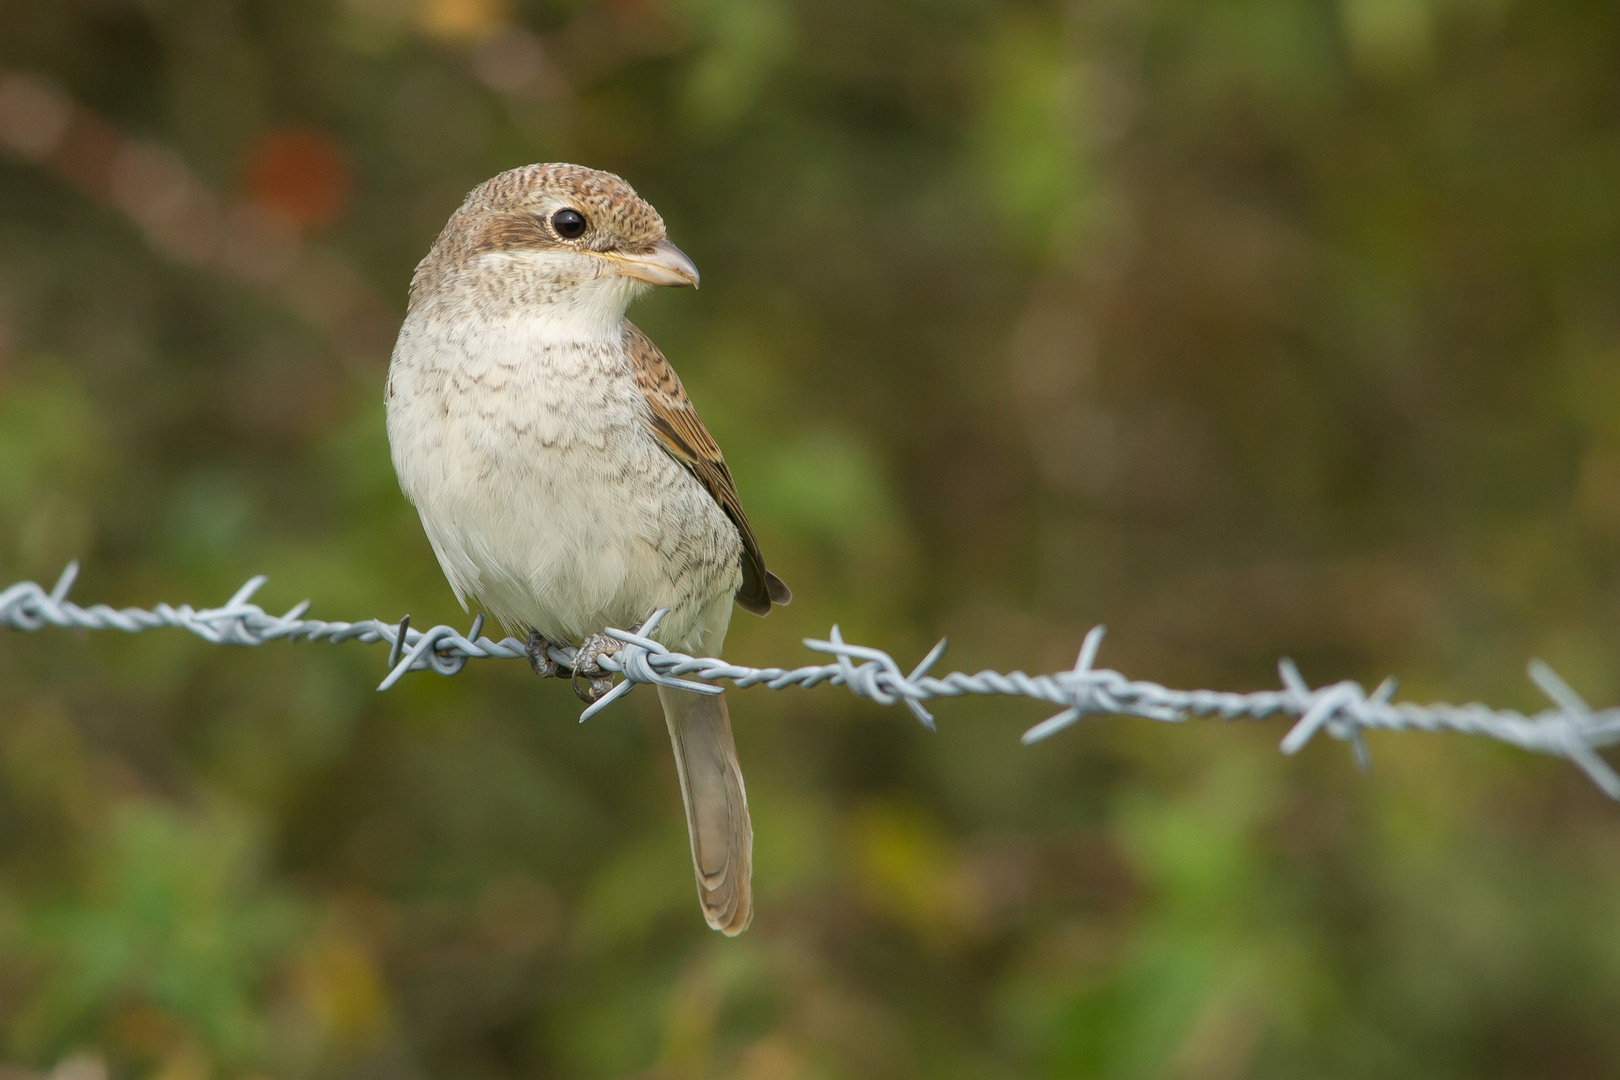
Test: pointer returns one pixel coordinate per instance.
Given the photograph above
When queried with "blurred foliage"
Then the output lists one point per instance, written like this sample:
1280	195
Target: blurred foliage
1245	327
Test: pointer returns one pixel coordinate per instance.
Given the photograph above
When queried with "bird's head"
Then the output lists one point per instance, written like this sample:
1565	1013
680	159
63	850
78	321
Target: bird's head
575	241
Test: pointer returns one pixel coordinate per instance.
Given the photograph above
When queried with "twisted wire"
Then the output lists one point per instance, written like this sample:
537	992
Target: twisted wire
1570	729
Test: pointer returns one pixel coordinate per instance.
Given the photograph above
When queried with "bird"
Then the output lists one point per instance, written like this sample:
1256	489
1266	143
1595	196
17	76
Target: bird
562	474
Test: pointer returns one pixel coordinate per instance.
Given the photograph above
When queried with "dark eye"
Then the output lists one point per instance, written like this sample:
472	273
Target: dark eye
568	223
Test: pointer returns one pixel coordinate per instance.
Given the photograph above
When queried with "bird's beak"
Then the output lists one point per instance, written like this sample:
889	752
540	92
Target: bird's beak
661	264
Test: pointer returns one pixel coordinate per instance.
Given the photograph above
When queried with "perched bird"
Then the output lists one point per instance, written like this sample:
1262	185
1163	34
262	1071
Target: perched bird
561	472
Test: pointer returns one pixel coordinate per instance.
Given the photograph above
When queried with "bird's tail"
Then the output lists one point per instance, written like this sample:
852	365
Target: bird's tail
716	806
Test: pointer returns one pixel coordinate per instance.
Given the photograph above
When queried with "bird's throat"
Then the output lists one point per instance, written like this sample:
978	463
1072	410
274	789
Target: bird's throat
556	303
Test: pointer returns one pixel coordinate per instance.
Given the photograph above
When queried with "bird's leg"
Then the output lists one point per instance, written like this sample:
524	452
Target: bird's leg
538	650
597	681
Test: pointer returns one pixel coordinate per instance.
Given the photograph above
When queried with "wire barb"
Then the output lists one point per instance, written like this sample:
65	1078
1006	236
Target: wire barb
1570	729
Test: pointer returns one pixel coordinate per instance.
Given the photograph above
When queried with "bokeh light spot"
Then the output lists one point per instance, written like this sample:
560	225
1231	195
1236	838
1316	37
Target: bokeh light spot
301	173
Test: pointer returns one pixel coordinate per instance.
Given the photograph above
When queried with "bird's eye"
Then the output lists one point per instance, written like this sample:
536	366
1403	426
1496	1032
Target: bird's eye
570	224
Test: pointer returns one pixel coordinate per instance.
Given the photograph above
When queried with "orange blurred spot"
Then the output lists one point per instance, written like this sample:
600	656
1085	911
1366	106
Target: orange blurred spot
301	173
461	20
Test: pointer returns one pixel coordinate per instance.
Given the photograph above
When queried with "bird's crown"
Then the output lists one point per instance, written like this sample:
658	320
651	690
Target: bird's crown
529	207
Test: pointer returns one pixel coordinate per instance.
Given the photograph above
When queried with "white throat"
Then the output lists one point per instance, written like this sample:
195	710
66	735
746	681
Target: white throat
559	298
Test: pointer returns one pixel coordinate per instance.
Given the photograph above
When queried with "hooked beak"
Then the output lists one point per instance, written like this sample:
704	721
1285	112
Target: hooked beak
661	264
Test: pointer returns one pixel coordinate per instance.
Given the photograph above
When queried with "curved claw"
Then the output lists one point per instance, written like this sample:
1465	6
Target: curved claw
538	650
597	681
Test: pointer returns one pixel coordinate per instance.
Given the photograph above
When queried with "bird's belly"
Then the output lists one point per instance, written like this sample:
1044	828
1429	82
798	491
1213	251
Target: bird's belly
568	519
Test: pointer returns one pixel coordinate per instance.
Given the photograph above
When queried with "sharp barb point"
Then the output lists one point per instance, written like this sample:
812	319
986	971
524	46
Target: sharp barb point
928	661
1050	726
607	699
64	583
1359	751
245	593
1089	648
399	646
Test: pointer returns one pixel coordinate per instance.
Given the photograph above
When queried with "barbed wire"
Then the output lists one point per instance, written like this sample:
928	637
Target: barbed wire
1344	710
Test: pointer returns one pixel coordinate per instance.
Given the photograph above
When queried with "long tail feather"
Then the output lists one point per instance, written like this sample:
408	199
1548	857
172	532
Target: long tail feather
716	807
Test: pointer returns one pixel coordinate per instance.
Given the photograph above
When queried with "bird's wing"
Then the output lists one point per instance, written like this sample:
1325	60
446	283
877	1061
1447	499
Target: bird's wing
673	419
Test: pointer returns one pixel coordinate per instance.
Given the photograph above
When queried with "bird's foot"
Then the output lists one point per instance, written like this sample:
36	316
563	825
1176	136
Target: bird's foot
538	650
597	681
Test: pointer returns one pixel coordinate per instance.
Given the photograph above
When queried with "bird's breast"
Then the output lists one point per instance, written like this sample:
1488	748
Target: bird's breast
514	381
545	495
482	410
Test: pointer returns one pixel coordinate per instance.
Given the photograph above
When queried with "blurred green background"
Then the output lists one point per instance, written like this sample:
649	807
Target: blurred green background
1247	327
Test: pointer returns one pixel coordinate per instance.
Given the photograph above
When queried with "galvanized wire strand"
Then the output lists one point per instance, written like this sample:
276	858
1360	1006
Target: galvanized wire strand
1570	729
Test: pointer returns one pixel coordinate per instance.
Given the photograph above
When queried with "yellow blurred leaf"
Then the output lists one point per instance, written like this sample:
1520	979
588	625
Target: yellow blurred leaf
910	873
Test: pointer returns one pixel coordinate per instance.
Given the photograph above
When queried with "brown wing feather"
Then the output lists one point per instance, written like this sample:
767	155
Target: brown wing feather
676	423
